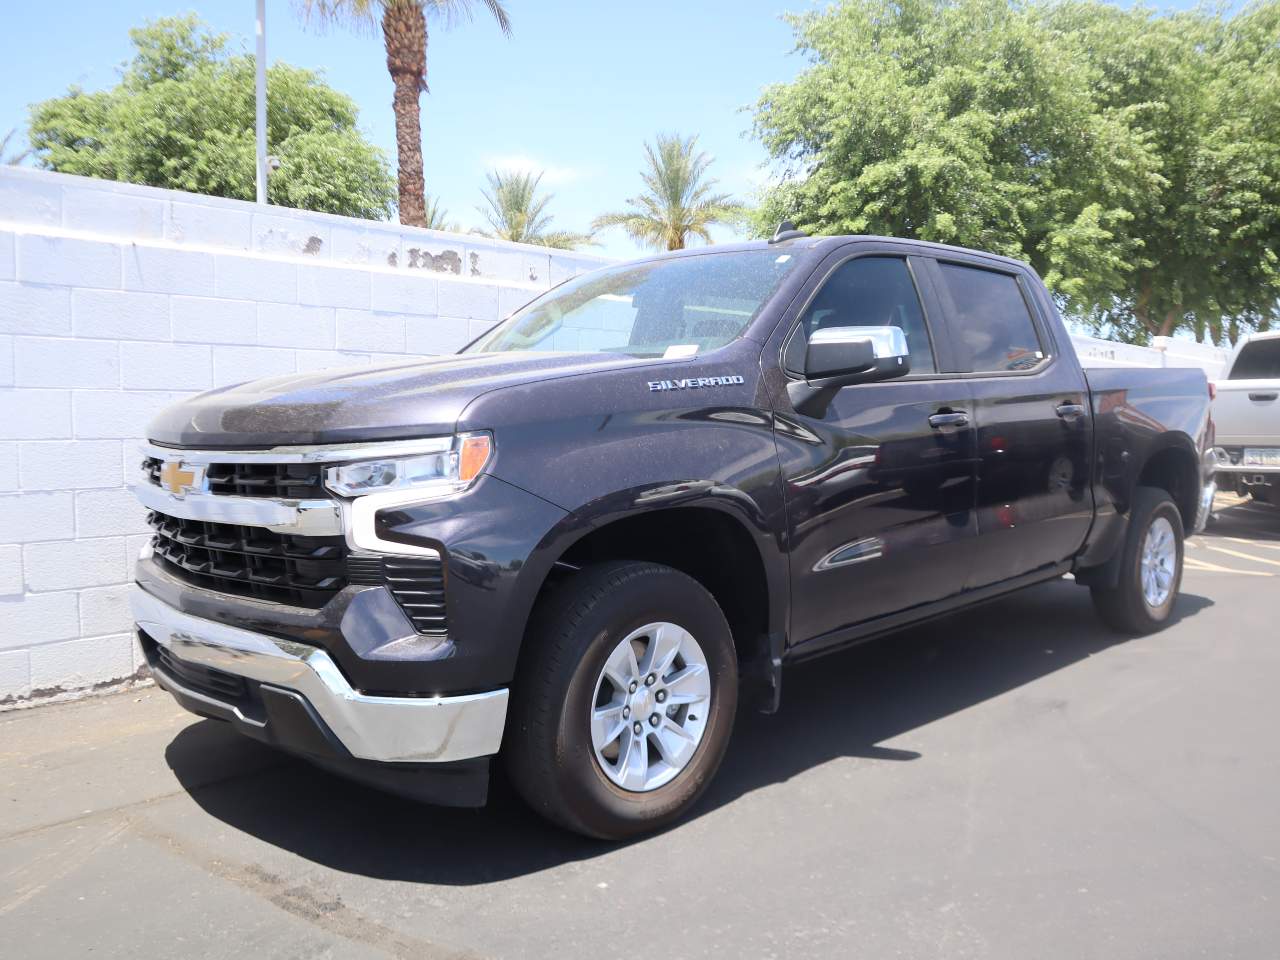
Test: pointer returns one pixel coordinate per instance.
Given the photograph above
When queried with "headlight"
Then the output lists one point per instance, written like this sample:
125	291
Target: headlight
437	473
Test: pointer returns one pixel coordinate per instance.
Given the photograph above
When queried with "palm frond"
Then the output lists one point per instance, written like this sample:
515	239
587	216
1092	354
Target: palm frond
516	211
677	202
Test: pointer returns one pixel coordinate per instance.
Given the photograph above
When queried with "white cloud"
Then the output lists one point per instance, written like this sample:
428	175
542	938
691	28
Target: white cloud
523	163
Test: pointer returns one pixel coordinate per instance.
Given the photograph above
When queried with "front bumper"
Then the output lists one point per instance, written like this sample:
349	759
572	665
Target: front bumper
387	730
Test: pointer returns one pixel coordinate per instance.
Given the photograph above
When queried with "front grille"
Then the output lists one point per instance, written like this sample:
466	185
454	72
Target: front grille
287	481
251	561
225	687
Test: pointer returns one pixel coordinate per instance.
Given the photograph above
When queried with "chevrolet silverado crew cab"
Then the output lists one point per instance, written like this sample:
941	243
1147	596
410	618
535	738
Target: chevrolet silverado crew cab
578	544
1246	412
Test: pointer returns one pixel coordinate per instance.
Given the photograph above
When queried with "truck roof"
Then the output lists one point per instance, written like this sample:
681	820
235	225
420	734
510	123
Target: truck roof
821	244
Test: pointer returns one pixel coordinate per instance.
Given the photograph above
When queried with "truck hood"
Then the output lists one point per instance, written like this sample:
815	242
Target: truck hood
390	401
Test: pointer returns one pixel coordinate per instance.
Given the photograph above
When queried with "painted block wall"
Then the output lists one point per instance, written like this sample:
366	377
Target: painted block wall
116	300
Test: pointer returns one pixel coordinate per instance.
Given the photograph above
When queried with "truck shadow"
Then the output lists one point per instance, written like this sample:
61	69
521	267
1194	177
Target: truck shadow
844	705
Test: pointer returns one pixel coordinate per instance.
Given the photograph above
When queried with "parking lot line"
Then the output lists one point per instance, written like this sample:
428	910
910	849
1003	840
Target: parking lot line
1243	556
1191	563
1254	543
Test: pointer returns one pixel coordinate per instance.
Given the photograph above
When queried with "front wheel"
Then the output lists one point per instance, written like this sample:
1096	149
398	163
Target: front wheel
1150	566
624	701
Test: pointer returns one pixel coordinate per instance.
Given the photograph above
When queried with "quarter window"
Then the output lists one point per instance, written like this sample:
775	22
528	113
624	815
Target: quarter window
867	292
990	323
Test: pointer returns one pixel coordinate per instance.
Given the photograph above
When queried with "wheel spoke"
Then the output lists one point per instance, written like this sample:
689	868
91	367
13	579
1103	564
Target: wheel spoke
664	644
621	667
633	762
690	685
606	725
674	742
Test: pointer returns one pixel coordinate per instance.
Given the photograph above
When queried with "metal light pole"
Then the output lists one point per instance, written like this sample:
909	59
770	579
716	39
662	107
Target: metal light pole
261	119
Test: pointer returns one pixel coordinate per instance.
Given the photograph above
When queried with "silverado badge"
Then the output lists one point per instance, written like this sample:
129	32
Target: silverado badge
694	383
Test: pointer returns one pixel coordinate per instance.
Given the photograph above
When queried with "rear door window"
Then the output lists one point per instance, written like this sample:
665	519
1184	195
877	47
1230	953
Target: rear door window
991	324
1258	360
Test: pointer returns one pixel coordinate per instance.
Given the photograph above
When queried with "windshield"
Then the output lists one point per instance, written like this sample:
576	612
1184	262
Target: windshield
672	308
1258	360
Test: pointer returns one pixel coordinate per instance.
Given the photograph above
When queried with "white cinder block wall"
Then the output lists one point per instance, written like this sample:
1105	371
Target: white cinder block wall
116	300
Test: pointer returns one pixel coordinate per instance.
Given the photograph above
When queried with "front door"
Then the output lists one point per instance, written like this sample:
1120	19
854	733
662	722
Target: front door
879	485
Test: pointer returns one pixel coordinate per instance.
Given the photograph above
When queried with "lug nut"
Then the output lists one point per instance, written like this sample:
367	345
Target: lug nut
655	720
638	728
648	681
634	686
626	712
661	695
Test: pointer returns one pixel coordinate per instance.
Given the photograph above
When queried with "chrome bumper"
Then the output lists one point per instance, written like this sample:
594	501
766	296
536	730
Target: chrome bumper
392	729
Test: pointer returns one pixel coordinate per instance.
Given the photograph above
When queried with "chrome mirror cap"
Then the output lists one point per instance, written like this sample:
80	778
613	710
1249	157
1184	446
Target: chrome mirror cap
889	343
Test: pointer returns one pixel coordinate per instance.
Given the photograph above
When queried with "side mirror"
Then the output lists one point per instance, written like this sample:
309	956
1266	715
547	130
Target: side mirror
857	354
840	356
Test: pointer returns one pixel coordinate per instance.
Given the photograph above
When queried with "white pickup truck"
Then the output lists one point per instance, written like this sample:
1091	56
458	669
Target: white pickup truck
1246	412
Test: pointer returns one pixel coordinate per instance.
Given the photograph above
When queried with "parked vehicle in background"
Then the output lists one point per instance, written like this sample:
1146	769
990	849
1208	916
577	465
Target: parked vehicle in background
1246	413
576	542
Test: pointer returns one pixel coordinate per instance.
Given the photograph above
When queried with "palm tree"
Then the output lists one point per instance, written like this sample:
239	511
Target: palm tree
677	202
516	212
404	34
435	216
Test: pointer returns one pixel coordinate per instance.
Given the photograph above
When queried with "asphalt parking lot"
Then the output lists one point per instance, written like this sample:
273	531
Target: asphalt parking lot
1011	782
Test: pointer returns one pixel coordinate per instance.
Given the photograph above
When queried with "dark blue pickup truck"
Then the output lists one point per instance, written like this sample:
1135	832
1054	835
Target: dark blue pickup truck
579	543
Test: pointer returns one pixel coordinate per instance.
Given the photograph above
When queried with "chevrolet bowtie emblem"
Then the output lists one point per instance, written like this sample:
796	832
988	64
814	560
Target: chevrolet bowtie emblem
176	480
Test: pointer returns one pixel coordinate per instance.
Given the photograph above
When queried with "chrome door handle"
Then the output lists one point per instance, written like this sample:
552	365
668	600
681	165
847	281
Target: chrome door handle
956	418
1070	411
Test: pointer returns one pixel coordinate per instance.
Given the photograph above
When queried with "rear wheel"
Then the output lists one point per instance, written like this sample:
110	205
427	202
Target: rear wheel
1150	566
625	700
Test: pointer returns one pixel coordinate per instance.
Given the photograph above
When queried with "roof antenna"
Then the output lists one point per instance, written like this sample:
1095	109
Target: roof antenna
786	231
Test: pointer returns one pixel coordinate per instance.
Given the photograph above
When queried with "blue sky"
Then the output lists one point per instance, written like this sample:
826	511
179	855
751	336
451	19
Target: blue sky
576	91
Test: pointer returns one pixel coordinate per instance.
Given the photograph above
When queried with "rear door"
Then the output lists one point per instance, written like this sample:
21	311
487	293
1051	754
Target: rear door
879	499
1033	427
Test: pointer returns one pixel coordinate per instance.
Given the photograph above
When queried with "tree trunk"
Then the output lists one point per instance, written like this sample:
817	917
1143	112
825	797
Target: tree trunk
1170	322
1142	308
404	30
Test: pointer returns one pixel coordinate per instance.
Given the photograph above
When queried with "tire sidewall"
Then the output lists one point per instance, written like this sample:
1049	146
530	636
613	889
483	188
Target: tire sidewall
661	596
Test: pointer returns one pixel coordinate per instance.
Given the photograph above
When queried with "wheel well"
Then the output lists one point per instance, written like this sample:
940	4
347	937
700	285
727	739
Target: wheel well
1174	471
708	545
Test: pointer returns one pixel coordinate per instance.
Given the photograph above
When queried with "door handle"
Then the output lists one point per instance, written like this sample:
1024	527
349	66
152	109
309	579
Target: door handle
949	418
1069	411
1263	397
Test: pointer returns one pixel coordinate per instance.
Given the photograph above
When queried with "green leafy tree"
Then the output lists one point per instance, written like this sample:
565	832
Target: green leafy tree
516	211
403	25
182	117
1117	150
678	201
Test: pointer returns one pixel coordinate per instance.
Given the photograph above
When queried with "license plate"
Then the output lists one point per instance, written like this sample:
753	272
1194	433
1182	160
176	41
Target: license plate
1262	456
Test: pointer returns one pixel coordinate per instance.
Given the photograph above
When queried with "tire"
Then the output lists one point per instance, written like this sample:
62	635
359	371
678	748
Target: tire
1126	606
550	749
